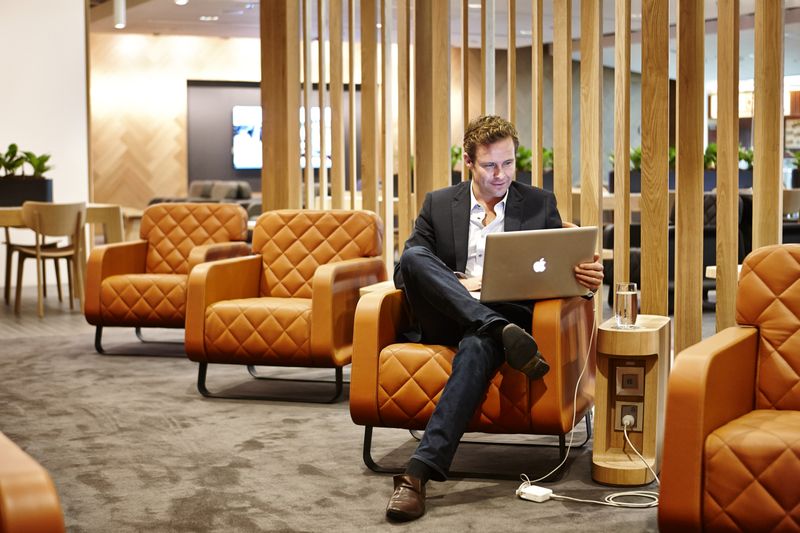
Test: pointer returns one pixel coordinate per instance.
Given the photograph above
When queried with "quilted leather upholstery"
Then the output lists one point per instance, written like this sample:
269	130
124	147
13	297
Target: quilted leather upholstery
147	300
769	299
749	465
172	230
294	243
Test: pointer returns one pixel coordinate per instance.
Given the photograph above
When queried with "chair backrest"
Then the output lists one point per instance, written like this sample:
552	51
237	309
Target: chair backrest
172	230
768	298
293	243
54	219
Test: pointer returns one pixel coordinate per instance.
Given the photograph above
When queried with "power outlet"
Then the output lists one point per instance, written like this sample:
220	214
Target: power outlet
634	409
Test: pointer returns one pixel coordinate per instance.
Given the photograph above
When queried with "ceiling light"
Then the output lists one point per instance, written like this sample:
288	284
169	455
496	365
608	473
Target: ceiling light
379	25
474	6
209	18
181	2
524	32
119	14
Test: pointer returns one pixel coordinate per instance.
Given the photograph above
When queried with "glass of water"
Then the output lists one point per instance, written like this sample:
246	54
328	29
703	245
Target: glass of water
626	305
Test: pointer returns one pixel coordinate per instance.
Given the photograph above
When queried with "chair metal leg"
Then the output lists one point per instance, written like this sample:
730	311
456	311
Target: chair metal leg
338	385
98	345
98	339
141	337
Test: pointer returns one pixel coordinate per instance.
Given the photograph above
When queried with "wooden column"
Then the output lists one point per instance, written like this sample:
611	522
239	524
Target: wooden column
370	125
432	97
655	157
387	173
537	92
487	57
323	135
562	106
622	140
405	206
280	100
308	169
689	176
592	122
351	84
337	105
768	123
465	68
727	160
512	61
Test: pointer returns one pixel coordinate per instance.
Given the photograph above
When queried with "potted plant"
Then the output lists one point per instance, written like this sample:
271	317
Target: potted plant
635	170
16	186
547	168
745	167
455	158
524	163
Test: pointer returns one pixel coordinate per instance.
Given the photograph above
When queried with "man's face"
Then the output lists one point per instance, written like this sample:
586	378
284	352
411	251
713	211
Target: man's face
493	169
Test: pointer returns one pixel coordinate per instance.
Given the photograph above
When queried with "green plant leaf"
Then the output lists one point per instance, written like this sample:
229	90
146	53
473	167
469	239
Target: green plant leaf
456	153
710	156
524	159
547	159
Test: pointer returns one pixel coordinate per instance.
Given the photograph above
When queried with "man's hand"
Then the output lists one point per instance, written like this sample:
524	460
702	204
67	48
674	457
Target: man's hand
472	284
590	275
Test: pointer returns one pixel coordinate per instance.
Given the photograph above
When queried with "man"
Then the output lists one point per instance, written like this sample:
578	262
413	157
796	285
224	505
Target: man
442	261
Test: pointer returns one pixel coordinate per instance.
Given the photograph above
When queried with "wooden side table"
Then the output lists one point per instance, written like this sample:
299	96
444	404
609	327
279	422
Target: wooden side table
632	370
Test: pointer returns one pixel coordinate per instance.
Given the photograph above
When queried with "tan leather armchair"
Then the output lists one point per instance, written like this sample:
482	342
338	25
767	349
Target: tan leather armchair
397	384
732	431
143	283
28	498
292	304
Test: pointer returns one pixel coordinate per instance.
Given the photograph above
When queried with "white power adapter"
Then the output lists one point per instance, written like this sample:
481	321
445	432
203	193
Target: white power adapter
534	493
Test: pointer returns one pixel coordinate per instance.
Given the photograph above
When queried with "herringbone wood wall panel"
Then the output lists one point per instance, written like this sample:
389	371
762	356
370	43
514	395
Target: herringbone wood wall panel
138	108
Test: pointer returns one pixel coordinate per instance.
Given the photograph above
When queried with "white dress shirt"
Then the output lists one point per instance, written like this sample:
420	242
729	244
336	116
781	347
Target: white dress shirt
478	232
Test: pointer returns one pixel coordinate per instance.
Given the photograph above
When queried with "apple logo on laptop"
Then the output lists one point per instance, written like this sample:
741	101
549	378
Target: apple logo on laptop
540	265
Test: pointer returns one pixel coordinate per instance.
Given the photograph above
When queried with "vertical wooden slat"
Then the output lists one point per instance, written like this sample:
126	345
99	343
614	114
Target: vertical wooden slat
592	121
432	97
562	106
308	170
768	123
388	145
689	176
323	136
655	157
351	85
370	131
512	61
622	141
727	160
405	216
465	68
337	104
487	57
280	99
537	93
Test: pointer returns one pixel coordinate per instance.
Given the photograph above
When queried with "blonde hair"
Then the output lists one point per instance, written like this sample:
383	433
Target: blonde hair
488	129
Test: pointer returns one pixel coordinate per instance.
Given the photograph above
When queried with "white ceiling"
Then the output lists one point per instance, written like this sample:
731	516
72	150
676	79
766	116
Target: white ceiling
240	18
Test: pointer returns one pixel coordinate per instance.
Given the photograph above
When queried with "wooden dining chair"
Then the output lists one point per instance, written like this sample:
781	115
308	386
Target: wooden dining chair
53	220
11	249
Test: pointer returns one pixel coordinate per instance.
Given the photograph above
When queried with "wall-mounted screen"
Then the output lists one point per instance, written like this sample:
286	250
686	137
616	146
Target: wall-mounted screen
246	150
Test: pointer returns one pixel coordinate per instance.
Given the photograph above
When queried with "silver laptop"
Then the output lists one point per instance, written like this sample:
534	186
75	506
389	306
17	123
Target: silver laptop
535	264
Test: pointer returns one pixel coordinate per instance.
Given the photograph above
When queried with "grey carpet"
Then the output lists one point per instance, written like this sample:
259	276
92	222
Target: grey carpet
132	446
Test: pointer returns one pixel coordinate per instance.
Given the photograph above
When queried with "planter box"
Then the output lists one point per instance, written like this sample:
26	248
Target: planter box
796	178
709	180
14	191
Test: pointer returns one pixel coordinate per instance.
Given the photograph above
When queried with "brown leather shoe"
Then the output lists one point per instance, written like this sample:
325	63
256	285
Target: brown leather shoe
408	500
522	352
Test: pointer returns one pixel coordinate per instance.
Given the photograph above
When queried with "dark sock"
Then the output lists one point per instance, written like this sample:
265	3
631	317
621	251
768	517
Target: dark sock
419	470
495	331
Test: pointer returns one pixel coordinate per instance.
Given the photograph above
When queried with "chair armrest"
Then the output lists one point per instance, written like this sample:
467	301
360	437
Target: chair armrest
28	498
110	260
217	251
380	318
712	383
565	330
227	279
334	294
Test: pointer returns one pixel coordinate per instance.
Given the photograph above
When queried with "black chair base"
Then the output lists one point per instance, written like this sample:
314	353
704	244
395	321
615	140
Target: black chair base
338	387
562	452
98	341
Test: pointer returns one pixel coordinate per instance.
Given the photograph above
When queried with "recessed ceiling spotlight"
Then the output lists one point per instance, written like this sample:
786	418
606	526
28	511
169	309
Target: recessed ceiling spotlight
525	32
181	2
379	25
474	6
209	18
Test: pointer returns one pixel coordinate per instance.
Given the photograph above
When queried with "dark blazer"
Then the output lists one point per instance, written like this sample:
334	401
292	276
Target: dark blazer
442	225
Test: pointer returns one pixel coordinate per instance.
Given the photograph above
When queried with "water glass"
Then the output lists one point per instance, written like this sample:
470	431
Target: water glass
626	305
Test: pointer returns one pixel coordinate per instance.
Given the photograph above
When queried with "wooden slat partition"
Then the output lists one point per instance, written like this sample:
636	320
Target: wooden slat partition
387	211
622	142
337	104
512	61
280	79
308	170
323	136
370	130
537	91
727	160
431	97
655	157
592	122
405	206
768	123
562	106
465	69
351	84
487	57
689	176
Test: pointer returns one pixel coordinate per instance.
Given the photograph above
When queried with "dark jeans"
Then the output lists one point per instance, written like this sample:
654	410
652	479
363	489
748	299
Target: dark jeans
447	314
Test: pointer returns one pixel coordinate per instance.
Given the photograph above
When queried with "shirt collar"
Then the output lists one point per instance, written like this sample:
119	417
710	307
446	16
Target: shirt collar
474	201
